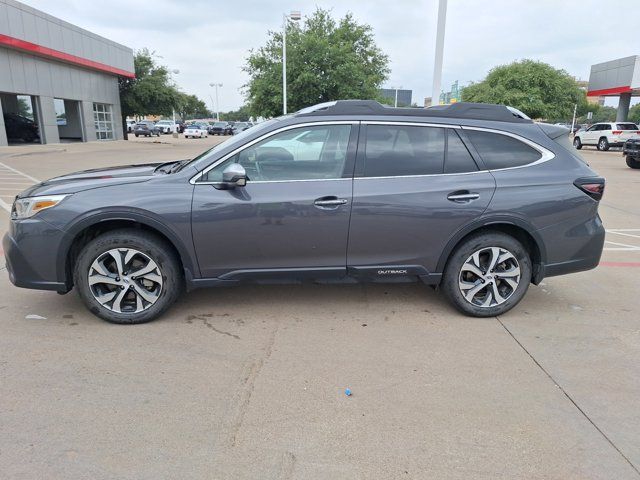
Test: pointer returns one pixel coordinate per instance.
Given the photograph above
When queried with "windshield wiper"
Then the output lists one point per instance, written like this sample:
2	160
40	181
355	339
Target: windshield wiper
169	167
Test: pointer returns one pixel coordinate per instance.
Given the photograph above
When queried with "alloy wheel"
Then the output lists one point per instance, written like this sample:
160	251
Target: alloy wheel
125	280
489	277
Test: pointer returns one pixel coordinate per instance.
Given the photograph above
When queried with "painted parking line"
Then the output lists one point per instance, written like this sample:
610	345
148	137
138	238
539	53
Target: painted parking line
624	234
13	181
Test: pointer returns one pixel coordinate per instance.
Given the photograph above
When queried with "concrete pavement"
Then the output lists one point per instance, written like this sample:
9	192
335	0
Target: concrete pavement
249	382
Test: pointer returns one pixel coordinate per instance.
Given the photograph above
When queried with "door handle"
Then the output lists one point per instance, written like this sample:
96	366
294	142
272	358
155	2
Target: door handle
328	202
463	196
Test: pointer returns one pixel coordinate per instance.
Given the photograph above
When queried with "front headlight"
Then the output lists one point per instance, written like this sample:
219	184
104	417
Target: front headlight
29	206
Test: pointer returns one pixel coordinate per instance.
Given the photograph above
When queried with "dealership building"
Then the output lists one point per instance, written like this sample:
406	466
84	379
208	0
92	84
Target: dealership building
58	82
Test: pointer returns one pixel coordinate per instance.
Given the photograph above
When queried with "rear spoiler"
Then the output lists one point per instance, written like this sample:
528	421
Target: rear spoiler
553	131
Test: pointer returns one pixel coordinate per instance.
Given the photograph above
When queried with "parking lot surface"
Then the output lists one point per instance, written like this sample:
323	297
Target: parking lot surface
249	382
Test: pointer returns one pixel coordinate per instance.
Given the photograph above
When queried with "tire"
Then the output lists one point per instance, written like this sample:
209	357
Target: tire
632	162
603	144
162	285
459	271
137	135
577	143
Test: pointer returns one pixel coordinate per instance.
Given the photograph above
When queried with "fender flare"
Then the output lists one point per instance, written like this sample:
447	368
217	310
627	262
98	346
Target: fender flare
143	217
487	221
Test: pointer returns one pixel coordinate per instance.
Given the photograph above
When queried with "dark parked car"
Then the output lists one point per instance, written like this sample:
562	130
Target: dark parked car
20	128
239	127
476	199
146	129
220	128
631	150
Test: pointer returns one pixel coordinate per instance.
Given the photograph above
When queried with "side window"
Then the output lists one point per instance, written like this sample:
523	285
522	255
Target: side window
396	150
306	153
501	151
458	159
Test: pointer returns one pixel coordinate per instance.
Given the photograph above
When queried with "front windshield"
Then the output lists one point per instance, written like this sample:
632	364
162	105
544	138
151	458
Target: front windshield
234	141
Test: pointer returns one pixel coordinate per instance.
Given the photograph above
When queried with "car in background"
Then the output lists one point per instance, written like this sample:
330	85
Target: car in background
239	127
196	131
19	127
631	150
605	135
130	125
220	128
167	126
146	129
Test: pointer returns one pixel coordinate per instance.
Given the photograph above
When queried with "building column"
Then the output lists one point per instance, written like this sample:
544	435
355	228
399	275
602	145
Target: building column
3	132
623	107
118	132
86	112
47	121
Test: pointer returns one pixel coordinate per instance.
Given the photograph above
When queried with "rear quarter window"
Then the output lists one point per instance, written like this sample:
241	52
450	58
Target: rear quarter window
502	151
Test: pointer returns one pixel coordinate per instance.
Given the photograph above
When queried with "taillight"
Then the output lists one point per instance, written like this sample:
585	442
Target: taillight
592	186
616	132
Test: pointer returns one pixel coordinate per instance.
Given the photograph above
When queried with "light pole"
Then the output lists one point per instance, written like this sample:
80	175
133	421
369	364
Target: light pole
396	101
173	110
294	15
437	67
217	104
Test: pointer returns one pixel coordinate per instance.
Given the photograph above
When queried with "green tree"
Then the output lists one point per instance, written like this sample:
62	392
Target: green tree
326	60
634	114
190	106
151	92
536	88
242	114
600	114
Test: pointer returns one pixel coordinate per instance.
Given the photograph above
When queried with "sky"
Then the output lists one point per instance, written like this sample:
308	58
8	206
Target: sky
208	40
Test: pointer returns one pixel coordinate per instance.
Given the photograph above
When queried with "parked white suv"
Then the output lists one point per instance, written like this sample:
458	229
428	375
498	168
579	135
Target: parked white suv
167	126
604	135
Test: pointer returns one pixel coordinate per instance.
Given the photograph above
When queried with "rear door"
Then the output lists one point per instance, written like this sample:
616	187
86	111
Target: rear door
415	185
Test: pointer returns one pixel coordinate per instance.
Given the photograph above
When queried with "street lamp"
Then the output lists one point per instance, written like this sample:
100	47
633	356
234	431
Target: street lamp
217	104
173	110
294	15
396	89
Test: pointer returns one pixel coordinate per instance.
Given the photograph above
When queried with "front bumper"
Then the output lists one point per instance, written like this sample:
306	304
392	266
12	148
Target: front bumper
30	249
631	149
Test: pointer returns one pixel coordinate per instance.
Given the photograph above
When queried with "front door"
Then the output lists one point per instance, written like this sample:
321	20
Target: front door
293	214
414	187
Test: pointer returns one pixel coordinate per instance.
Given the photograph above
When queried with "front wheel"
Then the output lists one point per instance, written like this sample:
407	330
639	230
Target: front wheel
127	276
632	162
487	275
577	143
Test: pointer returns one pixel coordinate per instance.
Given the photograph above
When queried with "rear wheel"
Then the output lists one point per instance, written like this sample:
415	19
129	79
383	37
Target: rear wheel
603	144
487	275
577	143
127	276
632	162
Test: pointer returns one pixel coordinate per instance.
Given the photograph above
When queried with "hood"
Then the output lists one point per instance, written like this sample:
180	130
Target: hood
96	178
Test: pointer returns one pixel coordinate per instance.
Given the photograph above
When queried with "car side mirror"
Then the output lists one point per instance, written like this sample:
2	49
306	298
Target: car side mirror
234	176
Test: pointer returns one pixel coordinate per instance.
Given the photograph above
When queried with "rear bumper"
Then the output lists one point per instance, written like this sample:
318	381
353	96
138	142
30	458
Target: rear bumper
574	250
30	250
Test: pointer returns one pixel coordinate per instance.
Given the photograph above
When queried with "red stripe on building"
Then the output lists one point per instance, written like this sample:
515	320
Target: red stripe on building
609	91
46	52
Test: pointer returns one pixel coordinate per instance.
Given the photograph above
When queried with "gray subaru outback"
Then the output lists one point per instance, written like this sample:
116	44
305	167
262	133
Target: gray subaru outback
476	200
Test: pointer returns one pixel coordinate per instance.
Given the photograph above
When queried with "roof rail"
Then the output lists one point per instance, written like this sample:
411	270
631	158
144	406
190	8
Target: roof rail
475	111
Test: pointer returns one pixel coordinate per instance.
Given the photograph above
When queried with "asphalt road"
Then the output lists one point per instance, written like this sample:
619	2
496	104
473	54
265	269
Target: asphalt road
249	382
